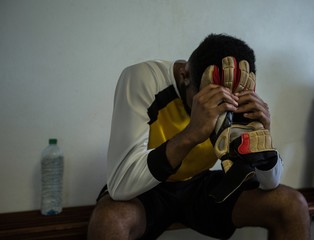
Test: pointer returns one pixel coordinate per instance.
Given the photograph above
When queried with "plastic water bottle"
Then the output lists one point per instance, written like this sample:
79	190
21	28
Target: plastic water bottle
51	179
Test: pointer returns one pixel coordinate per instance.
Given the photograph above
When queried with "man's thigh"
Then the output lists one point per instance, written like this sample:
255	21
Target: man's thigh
259	207
161	210
148	215
202	213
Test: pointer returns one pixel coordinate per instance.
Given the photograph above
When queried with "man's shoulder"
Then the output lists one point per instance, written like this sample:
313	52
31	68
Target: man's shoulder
149	70
150	65
148	77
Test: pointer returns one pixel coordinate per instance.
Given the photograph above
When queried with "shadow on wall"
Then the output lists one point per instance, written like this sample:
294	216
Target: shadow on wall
290	100
308	178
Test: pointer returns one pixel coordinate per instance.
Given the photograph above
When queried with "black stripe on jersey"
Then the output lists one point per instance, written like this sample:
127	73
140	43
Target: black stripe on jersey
161	100
159	165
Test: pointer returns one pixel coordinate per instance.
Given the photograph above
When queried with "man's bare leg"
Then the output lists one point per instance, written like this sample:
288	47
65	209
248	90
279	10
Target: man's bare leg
117	220
283	211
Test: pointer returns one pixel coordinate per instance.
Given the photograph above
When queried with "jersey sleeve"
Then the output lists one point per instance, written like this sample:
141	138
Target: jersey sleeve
128	173
270	179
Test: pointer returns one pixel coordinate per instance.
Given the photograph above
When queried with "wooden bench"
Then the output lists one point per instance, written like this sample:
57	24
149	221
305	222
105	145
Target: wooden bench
71	224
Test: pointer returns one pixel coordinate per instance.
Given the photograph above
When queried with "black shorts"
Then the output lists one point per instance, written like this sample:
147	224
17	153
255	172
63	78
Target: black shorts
188	203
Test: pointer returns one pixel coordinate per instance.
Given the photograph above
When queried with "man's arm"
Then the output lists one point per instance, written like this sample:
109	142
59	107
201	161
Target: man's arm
270	179
255	108
207	105
127	170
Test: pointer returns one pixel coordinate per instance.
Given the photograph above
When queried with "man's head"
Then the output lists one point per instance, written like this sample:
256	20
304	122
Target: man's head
211	52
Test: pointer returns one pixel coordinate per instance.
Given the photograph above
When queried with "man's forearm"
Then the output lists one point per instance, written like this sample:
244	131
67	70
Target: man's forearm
179	146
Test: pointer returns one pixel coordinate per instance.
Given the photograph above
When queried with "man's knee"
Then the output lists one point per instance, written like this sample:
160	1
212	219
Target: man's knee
290	204
113	219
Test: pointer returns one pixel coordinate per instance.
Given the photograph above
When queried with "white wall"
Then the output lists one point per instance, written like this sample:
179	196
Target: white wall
60	60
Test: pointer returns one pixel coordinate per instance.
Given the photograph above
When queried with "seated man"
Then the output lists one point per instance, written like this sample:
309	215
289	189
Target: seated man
160	155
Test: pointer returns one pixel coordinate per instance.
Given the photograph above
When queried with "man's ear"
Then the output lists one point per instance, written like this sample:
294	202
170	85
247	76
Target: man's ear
186	82
184	75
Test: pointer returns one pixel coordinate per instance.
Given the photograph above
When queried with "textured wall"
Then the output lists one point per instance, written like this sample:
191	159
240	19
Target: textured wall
60	60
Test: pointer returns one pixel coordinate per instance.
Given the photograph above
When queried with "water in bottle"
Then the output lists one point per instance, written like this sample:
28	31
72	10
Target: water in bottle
51	179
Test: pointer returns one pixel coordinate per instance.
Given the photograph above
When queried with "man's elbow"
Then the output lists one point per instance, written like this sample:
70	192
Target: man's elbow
119	194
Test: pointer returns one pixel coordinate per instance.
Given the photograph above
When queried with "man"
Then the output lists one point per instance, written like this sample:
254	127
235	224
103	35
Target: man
159	155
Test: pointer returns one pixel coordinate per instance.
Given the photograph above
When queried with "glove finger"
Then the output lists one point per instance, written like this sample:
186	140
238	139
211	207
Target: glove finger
229	72
210	75
251	82
244	72
246	79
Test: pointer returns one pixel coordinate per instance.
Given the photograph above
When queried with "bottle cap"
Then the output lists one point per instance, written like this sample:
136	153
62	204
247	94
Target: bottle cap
53	141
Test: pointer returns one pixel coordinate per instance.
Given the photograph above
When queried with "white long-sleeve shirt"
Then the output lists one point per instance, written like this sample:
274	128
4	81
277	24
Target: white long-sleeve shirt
148	111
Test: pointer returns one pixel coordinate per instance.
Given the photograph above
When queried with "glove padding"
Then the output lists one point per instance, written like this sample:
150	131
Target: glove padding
240	144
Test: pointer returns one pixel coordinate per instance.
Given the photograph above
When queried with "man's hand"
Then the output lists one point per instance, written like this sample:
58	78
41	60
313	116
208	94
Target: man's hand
253	107
208	104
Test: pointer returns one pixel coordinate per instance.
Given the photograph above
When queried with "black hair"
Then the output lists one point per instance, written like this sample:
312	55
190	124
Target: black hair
213	49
